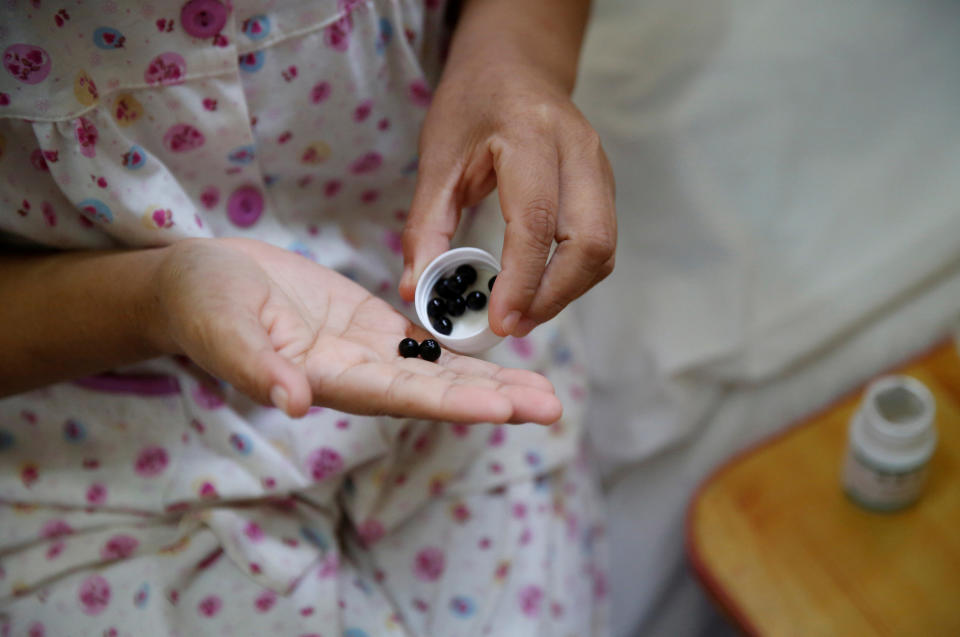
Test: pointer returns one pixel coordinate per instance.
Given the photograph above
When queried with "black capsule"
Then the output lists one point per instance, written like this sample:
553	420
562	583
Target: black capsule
430	350
448	289
490	282
457	306
458	283
436	307
467	273
443	325
476	300
439	285
409	348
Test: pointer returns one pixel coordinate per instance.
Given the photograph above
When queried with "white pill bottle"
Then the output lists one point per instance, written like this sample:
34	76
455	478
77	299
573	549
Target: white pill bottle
892	437
471	333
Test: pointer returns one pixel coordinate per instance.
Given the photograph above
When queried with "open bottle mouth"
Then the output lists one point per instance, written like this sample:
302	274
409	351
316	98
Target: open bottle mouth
900	410
463	328
898	405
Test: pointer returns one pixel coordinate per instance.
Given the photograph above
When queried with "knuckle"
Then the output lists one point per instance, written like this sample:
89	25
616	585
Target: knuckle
543	115
415	230
409	234
430	159
589	140
606	268
598	247
537	119
408	246
540	220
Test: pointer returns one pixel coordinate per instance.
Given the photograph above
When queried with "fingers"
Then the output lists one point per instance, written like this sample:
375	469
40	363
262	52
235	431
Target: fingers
533	408
456	389
432	221
528	179
476	367
533	396
240	352
586	231
403	390
555	184
289	389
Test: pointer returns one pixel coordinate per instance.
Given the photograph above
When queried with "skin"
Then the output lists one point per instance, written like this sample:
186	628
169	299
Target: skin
291	333
502	118
275	325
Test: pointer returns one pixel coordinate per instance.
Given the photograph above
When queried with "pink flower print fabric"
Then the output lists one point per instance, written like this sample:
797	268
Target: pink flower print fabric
210	605
245	206
94	595
324	463
119	547
27	63
166	68
86	133
429	564
203	18
180	138
151	462
157	496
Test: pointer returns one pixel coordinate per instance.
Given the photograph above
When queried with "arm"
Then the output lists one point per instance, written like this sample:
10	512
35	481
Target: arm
502	117
66	315
276	326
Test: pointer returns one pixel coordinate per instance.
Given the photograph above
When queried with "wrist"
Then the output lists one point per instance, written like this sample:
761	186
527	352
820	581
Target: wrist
492	68
150	313
541	38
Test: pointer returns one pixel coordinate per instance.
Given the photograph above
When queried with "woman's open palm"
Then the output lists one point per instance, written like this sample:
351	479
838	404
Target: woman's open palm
287	331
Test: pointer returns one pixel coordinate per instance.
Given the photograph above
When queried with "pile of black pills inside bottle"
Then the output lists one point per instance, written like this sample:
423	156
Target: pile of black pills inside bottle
452	297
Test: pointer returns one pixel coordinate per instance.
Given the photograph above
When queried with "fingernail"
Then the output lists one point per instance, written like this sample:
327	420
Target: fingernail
524	327
510	321
278	396
407	275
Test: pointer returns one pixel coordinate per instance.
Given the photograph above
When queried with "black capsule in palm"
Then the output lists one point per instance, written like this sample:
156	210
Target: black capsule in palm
467	273
490	282
436	307
476	300
457	306
443	325
409	348
430	350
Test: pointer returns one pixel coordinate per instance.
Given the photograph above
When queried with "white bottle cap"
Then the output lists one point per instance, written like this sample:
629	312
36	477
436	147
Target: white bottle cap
472	341
898	414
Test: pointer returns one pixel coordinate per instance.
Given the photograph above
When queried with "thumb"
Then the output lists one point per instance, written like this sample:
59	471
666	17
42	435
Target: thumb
240	352
432	222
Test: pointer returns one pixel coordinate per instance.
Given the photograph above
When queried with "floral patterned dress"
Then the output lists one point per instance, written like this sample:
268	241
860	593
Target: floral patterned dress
155	500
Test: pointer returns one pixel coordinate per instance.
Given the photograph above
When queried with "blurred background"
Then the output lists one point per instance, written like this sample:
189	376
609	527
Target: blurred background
789	202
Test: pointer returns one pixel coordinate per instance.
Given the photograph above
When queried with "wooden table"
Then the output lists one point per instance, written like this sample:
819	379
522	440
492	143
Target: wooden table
782	550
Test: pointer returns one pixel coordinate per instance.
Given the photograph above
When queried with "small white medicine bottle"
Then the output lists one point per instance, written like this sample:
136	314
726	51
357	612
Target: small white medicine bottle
891	439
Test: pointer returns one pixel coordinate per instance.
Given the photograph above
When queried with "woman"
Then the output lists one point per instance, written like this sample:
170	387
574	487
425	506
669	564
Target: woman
209	148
